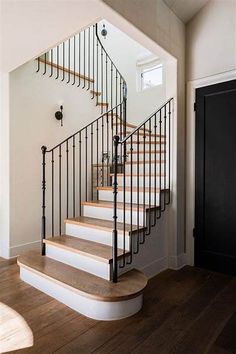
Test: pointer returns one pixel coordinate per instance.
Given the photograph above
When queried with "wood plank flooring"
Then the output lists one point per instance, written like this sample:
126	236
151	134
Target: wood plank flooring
190	311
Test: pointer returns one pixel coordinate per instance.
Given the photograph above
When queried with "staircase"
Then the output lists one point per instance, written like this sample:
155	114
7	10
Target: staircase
103	190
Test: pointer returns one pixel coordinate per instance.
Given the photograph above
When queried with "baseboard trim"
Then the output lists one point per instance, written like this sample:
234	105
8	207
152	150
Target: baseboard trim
24	247
177	262
155	267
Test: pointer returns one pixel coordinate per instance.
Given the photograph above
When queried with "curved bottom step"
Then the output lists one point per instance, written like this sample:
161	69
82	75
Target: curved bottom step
99	299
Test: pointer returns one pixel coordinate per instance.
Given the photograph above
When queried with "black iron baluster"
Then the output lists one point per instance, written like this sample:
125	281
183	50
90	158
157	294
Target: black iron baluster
97	72
86	163
52	192
51	62
115	233
73	158
63	61
149	187
116	87
67	178
88	58
45	63
57	76
155	169
124	213
131	202
59	182
111	85
103	151
84	57
68	61
73	83
144	183
160	168
164	162
93	61
79	59
97	129
102	88
91	162
44	150
38	65
80	174
107	81
138	240
169	140
107	124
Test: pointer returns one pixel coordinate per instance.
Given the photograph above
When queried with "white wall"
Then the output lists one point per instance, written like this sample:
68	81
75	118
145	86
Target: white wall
125	53
34	99
211	58
211	40
4	166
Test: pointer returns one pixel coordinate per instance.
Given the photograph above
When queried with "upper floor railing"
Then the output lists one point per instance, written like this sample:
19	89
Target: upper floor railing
82	61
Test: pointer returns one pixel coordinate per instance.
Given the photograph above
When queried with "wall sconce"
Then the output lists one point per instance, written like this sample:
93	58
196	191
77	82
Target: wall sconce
104	31
59	115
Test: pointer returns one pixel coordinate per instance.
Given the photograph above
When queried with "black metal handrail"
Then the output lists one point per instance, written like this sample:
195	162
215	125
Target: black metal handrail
148	191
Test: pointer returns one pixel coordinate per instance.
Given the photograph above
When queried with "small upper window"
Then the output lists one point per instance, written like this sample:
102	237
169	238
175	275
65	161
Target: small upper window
151	76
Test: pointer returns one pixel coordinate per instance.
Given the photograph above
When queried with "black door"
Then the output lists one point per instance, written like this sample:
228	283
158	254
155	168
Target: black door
215	194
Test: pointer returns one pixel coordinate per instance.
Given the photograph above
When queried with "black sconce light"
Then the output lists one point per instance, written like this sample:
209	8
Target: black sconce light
59	115
104	31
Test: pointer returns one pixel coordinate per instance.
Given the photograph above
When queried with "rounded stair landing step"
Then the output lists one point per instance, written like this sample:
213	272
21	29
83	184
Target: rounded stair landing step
85	293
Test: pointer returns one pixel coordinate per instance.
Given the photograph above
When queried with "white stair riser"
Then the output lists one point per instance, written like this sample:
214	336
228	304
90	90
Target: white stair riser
79	261
107	214
98	310
120	181
108	195
148	168
147	156
95	235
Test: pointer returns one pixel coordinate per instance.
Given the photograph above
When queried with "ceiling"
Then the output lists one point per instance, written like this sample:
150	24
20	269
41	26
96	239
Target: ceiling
185	9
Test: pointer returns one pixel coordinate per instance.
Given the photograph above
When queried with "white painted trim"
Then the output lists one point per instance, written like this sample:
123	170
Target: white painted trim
155	267
24	247
98	310
177	262
190	153
80	261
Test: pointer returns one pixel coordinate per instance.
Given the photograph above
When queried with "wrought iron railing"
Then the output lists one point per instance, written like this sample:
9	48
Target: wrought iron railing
142	190
83	62
70	170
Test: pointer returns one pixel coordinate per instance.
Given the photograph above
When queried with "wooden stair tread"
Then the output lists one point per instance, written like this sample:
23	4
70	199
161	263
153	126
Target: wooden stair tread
129	285
92	249
95	93
147	142
130	125
102	104
120	205
135	152
101	224
147	134
141	162
140	174
71	72
128	189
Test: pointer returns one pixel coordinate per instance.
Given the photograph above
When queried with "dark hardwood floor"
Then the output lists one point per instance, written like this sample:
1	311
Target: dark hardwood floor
190	311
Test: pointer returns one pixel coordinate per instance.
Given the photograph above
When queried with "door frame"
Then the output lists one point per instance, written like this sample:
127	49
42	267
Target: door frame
190	153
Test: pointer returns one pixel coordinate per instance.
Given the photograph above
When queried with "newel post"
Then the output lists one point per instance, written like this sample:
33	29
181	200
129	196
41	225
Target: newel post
43	230
115	190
